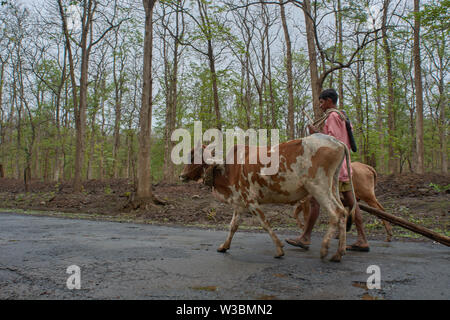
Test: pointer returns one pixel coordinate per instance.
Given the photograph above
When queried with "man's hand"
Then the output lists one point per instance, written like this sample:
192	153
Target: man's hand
312	129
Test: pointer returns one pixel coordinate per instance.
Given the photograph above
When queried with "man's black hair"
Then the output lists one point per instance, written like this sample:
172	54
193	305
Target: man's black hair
329	93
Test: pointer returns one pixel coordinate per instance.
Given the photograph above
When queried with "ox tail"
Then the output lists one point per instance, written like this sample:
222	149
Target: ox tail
374	172
352	211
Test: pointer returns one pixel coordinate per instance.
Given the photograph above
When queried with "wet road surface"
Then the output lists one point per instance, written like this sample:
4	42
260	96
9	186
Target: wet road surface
136	261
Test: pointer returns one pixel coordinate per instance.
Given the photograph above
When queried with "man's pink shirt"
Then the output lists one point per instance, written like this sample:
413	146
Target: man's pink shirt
335	126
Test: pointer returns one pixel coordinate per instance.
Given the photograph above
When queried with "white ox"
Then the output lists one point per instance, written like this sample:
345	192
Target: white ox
308	166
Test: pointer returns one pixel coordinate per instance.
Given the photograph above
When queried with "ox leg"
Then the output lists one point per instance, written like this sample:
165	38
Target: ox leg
234	225
375	204
337	215
262	219
342	237
388	228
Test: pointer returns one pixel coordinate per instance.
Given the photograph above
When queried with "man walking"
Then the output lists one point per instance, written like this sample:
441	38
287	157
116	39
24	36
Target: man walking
333	123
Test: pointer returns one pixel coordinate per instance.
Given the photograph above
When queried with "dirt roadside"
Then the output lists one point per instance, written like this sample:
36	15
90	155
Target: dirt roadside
422	199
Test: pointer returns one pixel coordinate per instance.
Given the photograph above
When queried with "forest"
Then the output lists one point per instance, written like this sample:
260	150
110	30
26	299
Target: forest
93	89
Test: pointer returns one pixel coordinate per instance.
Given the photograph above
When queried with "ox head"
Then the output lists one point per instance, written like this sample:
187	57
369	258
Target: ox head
196	171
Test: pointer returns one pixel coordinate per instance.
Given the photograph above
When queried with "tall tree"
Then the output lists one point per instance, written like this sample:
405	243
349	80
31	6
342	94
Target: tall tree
290	89
418	86
171	55
207	27
89	9
392	161
340	54
144	193
316	86
120	53
329	61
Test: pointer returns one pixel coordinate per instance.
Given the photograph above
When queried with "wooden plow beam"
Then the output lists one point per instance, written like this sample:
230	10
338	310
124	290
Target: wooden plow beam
407	225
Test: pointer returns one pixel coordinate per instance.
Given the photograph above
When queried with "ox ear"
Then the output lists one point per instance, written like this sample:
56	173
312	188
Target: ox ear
218	166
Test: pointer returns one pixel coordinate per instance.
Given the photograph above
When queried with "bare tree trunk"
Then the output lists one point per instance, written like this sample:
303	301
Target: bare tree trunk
118	93
131	153
168	95
101	161
19	109
392	161
368	157
271	95
90	166
340	57
77	184
266	76
35	173
35	167
171	82
203	10
316	86
419	94
144	186
262	83
116	145
259	88
58	147
212	66
46	163
27	177
359	113
380	127
443	104
80	119
2	129
248	89
290	81
413	142
411	107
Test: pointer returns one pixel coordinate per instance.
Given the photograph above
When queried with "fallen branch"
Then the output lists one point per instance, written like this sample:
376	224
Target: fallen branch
407	225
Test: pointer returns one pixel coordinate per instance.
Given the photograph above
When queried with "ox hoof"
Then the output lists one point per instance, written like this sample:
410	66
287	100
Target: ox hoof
336	258
222	249
323	253
280	251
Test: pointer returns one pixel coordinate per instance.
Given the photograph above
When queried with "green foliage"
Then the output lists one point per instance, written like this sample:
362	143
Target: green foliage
108	190
436	15
439	188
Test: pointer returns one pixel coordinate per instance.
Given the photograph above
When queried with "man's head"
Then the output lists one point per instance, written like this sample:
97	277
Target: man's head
328	99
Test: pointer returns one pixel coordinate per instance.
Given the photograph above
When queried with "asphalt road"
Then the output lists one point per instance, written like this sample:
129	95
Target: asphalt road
135	261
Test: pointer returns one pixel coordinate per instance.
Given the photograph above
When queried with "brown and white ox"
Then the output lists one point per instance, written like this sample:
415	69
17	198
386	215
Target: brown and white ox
364	182
309	166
